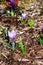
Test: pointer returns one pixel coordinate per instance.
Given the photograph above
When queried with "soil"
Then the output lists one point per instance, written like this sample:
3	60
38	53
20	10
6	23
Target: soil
34	51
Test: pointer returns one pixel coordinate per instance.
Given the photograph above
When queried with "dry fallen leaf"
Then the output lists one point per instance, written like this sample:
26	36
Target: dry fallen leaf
4	55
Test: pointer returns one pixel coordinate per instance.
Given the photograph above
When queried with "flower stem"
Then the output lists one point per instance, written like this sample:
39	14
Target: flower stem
13	44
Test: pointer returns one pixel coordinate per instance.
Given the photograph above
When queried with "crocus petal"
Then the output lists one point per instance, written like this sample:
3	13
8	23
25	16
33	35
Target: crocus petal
12	34
23	15
12	1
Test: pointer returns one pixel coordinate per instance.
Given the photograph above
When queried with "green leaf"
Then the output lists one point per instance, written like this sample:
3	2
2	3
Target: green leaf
12	13
40	40
23	22
31	23
3	30
22	47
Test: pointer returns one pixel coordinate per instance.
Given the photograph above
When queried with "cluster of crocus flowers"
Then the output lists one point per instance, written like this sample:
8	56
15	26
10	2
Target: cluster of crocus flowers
24	15
12	35
12	3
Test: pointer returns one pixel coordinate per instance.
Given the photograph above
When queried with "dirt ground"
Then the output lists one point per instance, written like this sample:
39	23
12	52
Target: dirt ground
34	51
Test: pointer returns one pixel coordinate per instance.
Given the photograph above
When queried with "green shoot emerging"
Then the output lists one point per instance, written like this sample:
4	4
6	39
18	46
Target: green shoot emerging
31	23
40	40
23	22
3	30
21	45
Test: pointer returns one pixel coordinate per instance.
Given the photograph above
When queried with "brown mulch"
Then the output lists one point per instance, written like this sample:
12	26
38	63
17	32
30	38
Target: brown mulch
34	51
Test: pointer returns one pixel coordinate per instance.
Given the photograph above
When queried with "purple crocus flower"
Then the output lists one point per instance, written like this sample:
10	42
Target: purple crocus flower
12	35
13	4
24	15
42	29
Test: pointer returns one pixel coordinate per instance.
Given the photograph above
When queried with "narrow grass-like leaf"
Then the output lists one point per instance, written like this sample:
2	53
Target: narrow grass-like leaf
40	40
22	47
31	23
3	30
